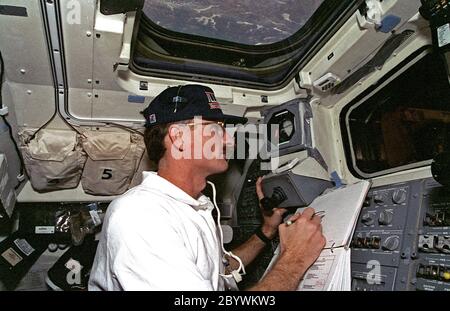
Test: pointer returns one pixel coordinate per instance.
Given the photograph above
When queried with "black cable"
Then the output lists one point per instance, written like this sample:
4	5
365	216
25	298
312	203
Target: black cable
42	126
52	62
56	111
19	154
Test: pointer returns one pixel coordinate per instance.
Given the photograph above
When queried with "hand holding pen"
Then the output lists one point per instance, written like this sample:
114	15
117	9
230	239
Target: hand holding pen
294	217
301	236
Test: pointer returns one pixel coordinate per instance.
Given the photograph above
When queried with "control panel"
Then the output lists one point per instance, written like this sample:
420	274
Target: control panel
402	239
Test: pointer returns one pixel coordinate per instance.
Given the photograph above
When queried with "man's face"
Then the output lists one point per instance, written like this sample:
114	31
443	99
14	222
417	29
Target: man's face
204	145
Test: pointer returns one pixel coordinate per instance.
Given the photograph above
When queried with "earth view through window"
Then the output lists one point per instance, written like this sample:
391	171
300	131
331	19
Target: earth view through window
250	22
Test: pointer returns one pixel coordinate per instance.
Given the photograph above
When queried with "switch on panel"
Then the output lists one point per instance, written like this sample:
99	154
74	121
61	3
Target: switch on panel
368	219
386	218
434	272
375	242
367	242
443	244
427	243
438	219
378	199
391	243
434	243
399	196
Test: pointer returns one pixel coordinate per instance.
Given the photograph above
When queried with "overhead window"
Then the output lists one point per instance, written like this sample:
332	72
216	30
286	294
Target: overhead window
404	124
253	43
251	22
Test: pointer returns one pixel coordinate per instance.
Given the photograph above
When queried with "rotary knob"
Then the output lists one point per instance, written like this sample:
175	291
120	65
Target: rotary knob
391	243
367	219
399	196
378	199
385	218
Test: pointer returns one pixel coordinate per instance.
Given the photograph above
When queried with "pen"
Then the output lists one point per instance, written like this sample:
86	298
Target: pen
321	214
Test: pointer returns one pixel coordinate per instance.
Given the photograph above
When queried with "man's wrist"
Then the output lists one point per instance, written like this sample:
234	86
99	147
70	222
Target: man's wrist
269	232
262	236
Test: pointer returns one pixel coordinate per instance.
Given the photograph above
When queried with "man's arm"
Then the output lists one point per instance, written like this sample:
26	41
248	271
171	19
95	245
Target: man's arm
301	244
250	249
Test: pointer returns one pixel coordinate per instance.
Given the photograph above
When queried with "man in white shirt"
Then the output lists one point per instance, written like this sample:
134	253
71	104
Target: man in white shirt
161	234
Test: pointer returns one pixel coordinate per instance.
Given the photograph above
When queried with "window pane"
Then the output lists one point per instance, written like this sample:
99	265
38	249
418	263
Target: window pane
406	122
251	22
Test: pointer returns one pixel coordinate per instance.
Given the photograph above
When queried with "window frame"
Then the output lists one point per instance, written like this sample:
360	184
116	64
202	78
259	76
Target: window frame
361	99
279	74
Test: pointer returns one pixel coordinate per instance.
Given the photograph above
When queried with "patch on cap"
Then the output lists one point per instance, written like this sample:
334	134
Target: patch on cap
152	118
212	101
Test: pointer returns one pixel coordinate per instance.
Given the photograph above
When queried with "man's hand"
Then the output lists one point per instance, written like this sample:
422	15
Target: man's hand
271	222
301	244
303	239
254	245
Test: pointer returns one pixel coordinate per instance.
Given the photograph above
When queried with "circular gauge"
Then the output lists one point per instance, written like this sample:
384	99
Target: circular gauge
284	127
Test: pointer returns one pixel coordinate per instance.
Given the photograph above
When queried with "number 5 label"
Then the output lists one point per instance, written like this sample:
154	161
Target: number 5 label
107	173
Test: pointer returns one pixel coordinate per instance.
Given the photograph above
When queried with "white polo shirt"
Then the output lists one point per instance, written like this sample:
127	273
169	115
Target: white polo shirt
157	237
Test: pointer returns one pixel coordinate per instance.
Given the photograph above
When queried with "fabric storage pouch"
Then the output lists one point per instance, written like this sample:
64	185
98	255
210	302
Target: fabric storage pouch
112	162
53	159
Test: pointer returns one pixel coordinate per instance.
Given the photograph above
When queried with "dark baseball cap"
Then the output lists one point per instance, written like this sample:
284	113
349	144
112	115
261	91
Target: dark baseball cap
184	103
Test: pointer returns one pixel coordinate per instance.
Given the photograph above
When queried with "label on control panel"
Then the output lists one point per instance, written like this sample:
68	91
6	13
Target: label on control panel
443	34
44	229
12	257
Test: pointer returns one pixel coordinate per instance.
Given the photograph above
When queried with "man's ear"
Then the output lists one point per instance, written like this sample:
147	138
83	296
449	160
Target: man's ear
175	135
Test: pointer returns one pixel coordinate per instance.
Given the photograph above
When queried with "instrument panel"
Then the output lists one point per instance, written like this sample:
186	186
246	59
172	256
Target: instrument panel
402	239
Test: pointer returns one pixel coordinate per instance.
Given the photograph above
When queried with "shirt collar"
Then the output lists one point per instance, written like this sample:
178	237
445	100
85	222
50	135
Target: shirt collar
152	180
